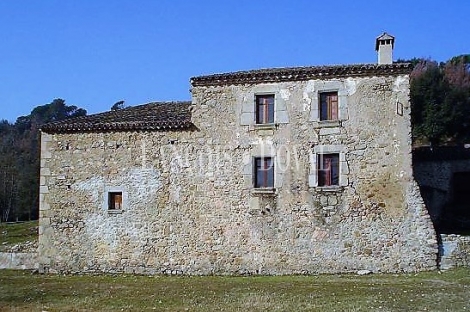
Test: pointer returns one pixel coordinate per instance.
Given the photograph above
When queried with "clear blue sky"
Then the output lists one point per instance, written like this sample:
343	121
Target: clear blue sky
93	53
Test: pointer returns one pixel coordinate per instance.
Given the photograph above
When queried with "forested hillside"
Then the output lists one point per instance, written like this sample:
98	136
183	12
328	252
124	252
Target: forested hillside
19	159
440	102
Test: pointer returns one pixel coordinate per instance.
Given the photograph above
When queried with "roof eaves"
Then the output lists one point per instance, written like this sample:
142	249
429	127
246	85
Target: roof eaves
301	73
146	117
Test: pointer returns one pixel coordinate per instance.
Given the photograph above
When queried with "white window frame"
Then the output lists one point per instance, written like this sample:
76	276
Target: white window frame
115	189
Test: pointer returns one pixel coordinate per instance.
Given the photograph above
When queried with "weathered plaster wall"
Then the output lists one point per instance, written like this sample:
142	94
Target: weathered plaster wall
190	206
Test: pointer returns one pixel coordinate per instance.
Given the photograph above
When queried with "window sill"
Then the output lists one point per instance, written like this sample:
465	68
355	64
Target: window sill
115	211
327	189
327	124
266	126
263	191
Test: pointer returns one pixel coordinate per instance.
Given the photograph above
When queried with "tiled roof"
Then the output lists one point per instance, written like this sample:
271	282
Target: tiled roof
301	73
151	116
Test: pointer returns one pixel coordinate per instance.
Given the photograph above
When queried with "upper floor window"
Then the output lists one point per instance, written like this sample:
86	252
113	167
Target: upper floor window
263	172
328	169
264	109
328	106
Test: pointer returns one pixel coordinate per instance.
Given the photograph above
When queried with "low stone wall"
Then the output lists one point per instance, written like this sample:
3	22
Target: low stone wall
454	251
19	261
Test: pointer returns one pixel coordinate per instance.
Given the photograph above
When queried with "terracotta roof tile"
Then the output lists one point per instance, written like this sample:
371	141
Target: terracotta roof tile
152	116
301	73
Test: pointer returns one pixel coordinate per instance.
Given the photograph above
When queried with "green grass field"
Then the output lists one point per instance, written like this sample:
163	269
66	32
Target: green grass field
428	291
17	233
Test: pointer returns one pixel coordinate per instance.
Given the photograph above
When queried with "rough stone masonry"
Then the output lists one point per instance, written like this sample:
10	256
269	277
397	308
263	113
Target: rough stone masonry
172	187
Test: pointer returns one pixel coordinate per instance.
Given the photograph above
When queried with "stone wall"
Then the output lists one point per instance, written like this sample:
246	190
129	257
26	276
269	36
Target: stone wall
435	178
189	202
19	261
454	251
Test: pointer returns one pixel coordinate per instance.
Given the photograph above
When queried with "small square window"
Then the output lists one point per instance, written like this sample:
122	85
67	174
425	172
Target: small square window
329	106
328	169
263	172
115	200
265	109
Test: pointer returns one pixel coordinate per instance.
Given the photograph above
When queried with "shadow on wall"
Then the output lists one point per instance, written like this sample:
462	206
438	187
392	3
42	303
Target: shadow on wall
443	175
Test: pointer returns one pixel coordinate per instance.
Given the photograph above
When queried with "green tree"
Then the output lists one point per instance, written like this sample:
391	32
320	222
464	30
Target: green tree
440	99
19	159
54	111
8	185
427	97
118	105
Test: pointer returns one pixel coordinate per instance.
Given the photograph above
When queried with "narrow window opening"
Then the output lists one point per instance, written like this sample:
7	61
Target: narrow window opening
328	169
265	109
329	106
264	172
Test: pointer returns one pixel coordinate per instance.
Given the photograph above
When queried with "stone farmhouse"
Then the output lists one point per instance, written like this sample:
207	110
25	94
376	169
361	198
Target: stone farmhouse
270	171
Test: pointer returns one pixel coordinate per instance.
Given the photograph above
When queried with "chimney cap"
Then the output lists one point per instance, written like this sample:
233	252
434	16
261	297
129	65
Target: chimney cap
383	36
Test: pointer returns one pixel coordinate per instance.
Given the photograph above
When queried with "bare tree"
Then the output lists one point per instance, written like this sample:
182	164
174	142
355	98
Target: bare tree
8	192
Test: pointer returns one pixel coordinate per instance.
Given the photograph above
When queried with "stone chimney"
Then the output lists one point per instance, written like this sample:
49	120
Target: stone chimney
384	46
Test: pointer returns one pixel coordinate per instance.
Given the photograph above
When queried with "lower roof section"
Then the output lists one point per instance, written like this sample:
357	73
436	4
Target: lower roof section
156	116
